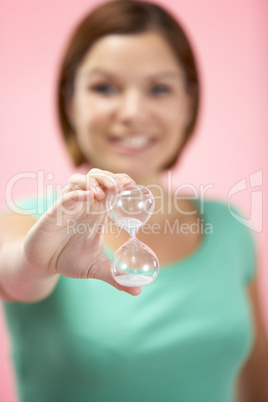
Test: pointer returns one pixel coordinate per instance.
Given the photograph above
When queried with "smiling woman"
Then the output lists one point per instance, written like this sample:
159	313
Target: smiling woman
130	108
141	60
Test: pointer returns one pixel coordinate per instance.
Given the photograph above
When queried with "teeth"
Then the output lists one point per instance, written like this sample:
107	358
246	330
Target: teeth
134	142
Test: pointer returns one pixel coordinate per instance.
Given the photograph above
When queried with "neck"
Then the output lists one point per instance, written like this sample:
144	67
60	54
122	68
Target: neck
149	181
167	204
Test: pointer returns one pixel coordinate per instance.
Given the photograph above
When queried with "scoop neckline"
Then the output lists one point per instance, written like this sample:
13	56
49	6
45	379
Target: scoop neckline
190	257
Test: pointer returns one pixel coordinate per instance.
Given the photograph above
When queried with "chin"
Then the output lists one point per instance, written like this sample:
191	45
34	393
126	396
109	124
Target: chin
135	167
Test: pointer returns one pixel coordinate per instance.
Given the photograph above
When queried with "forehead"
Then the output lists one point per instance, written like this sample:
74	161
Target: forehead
145	53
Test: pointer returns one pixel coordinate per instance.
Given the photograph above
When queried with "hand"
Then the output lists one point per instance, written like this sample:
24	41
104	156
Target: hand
68	238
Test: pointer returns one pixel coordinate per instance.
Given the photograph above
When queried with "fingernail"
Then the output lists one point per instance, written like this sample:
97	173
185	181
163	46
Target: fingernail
126	180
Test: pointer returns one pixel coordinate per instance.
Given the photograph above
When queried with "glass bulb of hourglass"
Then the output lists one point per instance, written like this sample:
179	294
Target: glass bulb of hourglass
134	263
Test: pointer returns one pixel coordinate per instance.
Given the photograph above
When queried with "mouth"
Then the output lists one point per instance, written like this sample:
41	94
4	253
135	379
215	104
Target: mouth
132	144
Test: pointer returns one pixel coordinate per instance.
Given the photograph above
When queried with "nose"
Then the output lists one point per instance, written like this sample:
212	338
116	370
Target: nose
132	107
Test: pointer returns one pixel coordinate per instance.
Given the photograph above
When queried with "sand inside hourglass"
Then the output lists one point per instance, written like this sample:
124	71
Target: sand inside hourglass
133	280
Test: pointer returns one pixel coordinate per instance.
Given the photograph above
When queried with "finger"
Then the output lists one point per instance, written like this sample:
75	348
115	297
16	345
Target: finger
113	182
71	198
134	291
67	204
125	178
103	272
78	180
105	179
82	182
94	180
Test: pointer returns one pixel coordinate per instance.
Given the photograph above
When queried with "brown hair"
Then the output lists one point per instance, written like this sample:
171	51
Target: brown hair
123	17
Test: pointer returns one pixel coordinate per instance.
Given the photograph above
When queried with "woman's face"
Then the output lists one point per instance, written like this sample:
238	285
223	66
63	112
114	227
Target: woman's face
130	107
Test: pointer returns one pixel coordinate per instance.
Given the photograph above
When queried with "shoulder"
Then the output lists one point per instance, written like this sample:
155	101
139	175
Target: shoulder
225	214
234	231
32	206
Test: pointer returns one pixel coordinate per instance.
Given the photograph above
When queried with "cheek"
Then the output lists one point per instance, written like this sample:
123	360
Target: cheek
93	112
172	118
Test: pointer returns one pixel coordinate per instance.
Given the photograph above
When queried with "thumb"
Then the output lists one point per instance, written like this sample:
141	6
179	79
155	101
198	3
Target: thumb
102	271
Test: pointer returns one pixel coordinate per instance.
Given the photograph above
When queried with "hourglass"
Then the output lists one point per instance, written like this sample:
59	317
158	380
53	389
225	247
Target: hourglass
134	263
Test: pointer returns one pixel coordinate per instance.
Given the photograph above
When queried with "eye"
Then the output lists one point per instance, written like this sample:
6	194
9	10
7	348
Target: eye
105	89
160	89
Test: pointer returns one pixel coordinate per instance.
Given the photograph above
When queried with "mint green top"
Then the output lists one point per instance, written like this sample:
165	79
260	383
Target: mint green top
184	338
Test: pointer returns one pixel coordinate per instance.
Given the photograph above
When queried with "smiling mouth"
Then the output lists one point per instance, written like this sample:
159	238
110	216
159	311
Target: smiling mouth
132	144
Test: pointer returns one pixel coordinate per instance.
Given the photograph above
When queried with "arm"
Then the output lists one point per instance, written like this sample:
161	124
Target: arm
253	381
20	281
34	253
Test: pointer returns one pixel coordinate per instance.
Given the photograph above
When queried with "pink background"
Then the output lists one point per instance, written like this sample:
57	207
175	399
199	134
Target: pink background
231	43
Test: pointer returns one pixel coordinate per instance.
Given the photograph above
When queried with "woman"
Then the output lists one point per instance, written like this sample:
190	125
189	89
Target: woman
128	104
